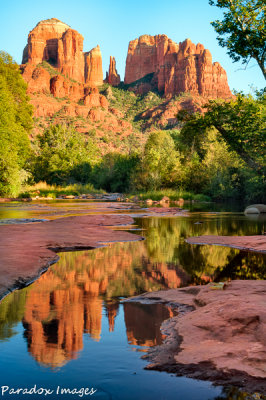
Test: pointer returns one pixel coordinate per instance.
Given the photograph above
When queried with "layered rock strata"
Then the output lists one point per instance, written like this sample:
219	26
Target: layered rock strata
156	62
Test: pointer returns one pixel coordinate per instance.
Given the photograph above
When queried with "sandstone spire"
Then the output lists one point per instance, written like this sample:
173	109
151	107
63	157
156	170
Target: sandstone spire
112	77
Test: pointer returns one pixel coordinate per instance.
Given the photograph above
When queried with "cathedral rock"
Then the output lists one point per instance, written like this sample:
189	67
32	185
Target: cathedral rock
54	63
156	62
54	42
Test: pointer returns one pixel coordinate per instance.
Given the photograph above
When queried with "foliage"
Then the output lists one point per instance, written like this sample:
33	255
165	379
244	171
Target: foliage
160	165
232	156
15	125
240	122
11	312
242	30
173	194
63	155
129	103
52	71
114	172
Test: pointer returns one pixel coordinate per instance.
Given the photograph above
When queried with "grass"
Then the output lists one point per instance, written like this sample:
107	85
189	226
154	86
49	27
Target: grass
172	194
42	189
52	71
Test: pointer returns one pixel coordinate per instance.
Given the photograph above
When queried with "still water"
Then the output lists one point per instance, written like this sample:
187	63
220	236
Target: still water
69	329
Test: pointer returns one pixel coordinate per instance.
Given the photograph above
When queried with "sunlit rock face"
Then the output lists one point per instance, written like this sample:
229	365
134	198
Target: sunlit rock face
43	42
172	68
54	64
93	67
70	55
61	46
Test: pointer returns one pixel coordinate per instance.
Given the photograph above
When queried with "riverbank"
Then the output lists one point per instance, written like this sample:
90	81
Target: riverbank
249	243
27	250
218	335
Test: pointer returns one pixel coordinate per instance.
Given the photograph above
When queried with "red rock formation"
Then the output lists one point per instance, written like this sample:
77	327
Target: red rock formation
172	69
165	113
111	311
112	77
61	87
62	47
221	336
43	42
93	67
37	78
70	55
94	99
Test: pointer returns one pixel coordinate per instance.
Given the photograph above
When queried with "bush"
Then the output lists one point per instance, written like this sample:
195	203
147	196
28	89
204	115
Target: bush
63	156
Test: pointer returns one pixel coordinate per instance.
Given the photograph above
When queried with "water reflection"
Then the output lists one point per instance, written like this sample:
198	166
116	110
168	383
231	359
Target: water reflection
143	323
71	298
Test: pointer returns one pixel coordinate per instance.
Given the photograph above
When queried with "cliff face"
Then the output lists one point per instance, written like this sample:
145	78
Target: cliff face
93	67
173	68
70	55
62	47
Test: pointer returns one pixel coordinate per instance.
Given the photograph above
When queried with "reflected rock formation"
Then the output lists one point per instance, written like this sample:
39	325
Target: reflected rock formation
143	323
67	301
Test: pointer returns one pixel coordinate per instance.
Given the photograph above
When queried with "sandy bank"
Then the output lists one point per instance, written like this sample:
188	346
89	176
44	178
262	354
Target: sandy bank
218	335
250	243
29	249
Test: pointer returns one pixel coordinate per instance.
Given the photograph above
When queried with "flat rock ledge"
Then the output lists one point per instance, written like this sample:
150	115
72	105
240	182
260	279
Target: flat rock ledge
249	243
27	250
218	335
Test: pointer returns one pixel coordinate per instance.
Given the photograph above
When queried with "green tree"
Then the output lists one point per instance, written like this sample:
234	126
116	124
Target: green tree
15	126
114	172
241	123
242	30
64	155
161	165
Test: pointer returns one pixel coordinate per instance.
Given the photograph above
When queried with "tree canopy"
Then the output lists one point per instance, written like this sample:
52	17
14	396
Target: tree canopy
242	30
15	125
64	155
241	122
160	165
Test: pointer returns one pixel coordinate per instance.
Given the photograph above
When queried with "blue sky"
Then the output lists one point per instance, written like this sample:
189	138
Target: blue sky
112	24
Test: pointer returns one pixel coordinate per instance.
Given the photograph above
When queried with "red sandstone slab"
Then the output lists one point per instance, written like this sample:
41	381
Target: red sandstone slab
218	335
250	243
28	250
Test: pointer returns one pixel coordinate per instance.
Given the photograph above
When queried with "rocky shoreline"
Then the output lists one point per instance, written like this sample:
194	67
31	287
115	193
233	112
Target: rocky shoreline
27	250
218	335
250	243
